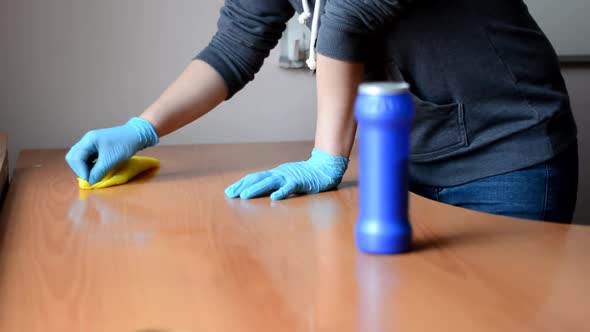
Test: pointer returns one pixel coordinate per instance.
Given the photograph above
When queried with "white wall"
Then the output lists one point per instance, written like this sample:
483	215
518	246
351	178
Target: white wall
577	78
67	66
562	21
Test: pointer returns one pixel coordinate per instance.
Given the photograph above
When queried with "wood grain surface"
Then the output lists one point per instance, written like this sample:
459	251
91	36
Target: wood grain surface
169	252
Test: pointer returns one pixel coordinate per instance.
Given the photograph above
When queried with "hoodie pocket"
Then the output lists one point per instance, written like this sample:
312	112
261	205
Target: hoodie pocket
437	130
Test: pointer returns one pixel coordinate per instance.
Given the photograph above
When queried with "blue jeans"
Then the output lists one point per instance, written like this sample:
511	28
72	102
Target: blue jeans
546	191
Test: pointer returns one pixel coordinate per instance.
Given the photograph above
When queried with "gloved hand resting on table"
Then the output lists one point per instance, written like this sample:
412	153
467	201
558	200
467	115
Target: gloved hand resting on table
319	173
109	147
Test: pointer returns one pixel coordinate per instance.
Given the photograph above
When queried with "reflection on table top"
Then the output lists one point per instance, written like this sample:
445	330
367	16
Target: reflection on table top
168	252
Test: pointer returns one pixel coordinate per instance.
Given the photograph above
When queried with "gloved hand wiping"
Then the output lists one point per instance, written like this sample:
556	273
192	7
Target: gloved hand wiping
320	172
109	147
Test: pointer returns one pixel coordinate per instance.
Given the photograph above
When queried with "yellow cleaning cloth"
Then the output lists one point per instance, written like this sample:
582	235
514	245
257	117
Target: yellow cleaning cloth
123	173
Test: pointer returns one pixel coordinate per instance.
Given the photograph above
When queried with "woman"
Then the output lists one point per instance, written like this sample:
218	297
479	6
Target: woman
493	129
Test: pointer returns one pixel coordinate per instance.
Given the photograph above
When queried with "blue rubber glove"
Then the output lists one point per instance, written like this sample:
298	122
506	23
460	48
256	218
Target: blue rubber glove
109	147
319	173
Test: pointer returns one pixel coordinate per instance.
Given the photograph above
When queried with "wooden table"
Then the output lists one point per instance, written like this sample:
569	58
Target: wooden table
169	252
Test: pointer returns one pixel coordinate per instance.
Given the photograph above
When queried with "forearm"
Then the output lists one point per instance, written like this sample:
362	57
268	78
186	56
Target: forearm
337	84
198	90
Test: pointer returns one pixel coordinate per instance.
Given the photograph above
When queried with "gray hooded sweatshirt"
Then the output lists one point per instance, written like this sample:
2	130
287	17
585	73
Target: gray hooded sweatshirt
486	82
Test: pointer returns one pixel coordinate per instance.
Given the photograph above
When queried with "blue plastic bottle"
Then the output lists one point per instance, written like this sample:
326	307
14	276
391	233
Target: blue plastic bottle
384	113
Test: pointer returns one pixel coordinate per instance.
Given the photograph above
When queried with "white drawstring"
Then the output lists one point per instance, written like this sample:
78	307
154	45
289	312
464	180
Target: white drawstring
306	13
311	61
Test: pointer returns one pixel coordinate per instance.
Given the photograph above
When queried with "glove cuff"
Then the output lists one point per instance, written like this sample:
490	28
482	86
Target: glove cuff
146	131
334	165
